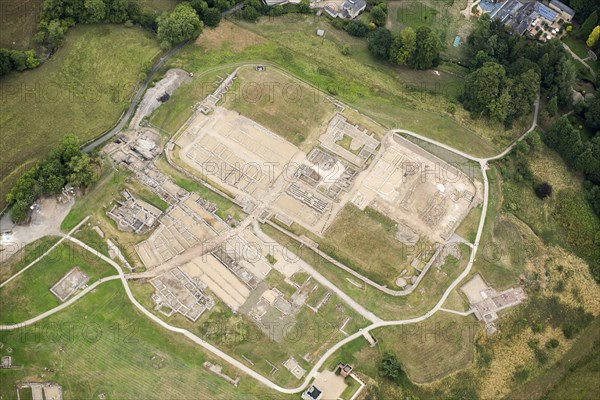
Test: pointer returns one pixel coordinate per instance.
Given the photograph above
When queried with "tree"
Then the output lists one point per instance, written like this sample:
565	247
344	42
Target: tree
379	15
379	43
95	11
250	13
428	46
356	28
211	17
148	18
50	175
592	116
543	190
180	25
588	26
390	367
523	92
81	171
200	6
403	46
31	59
593	38
486	91
552	106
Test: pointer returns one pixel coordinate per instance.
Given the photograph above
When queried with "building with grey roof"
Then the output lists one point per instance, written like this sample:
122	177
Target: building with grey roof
565	11
349	9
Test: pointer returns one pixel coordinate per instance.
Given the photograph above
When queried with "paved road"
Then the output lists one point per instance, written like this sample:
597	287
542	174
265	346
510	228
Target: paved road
379	323
324	281
43	255
134	103
60	307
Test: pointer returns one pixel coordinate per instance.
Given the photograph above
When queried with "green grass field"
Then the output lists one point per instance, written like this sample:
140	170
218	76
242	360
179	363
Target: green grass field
83	89
159	5
25	256
566	218
443	16
574	376
28	295
286	106
429	351
102	344
366	241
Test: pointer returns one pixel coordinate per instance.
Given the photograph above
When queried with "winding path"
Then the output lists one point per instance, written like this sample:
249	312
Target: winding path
378	322
134	103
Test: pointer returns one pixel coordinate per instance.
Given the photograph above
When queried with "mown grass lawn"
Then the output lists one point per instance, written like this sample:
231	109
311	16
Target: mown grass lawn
286	106
428	351
28	295
102	344
25	256
83	89
367	240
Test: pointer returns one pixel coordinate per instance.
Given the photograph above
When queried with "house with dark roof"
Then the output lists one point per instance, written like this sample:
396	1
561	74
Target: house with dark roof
532	18
563	10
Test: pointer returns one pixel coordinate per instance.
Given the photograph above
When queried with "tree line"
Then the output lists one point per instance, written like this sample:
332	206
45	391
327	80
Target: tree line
65	164
580	150
418	49
17	60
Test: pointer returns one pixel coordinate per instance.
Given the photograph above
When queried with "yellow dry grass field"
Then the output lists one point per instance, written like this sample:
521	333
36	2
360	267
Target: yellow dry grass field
228	34
551	168
509	356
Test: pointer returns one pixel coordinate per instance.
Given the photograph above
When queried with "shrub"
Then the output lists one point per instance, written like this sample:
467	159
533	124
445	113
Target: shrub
390	367
543	190
552	344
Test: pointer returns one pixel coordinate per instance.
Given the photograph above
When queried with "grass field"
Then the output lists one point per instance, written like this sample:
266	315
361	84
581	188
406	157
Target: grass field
28	295
25	256
18	22
366	239
159	5
287	107
428	351
103	345
575	376
566	218
443	16
83	89
97	202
